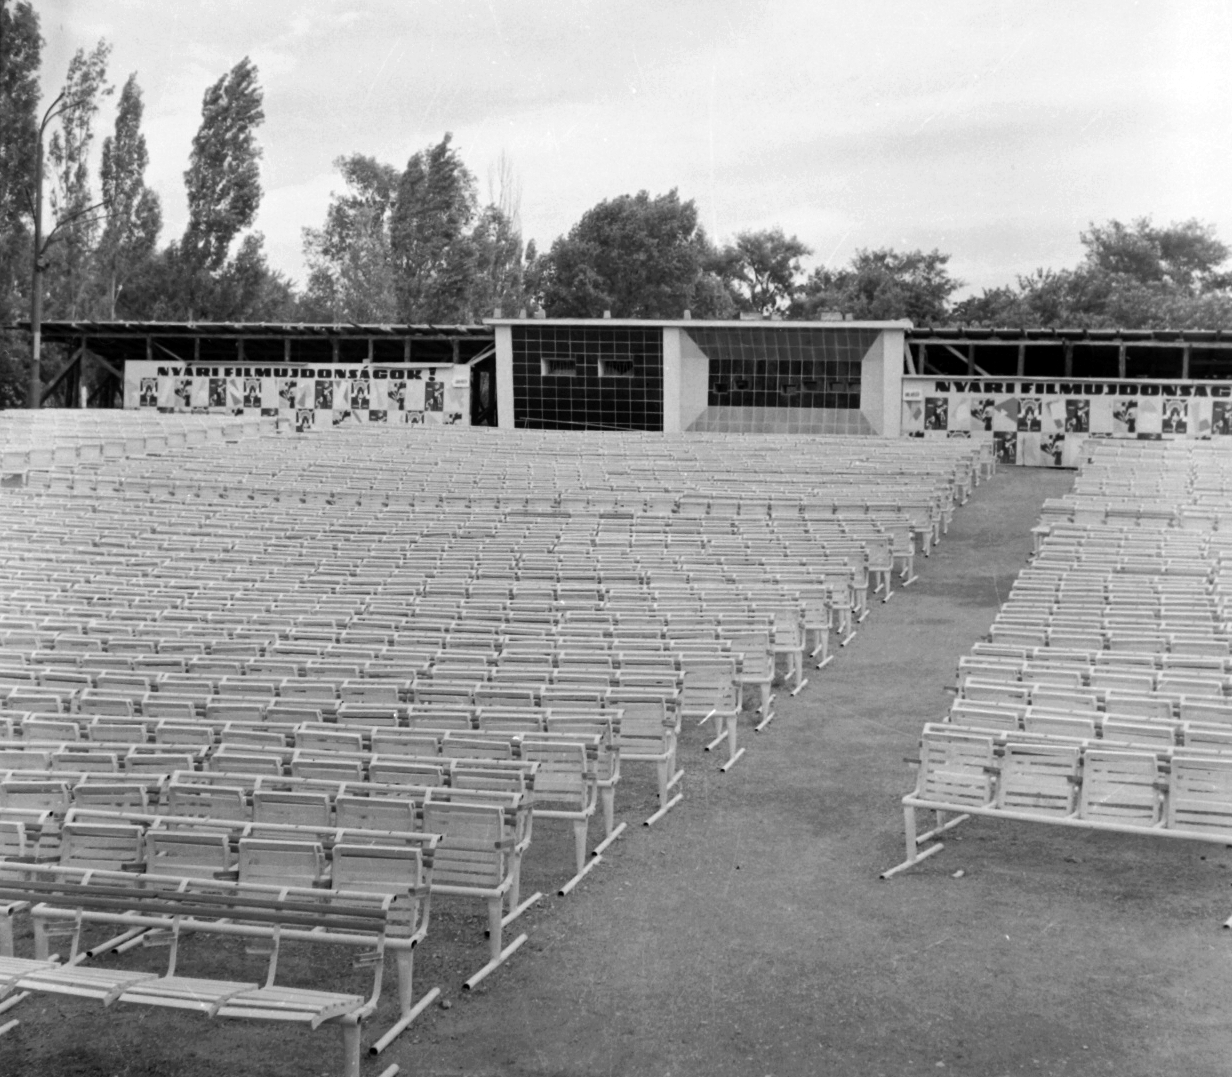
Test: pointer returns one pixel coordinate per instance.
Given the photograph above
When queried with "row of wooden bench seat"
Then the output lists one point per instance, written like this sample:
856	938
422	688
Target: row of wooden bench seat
1146	660
568	772
1162	701
208	827
257	798
373	921
1165	791
1206	675
1100	698
1068	636
241	721
1091	725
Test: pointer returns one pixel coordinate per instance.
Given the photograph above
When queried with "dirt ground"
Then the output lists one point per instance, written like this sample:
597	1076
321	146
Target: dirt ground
748	932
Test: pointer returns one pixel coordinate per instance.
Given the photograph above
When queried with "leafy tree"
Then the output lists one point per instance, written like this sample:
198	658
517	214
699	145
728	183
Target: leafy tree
247	290
350	267
134	214
77	216
496	246
172	287
1184	255
224	177
1001	306
20	49
763	270
1135	276
637	256
412	245
430	247
882	284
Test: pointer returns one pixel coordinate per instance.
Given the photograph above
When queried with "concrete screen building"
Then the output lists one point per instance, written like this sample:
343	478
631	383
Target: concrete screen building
715	376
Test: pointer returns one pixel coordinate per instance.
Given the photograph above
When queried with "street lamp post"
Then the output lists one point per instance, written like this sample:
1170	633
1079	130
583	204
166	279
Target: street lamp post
34	390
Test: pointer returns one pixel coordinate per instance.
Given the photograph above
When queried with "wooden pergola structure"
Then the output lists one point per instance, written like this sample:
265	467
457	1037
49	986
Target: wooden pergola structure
972	351
112	344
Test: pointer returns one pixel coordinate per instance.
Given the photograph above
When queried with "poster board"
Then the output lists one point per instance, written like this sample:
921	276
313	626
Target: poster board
1045	423
309	396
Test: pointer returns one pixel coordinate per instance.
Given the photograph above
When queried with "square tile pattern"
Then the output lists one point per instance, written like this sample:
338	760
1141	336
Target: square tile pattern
579	397
784	366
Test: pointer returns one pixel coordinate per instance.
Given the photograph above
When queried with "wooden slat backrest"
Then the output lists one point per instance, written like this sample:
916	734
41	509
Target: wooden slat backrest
1121	786
1038	778
473	844
955	768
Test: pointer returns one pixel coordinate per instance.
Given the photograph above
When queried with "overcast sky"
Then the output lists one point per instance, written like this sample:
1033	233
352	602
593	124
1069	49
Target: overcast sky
993	130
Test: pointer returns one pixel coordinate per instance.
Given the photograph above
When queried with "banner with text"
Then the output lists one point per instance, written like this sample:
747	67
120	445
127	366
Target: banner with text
1044	423
309	396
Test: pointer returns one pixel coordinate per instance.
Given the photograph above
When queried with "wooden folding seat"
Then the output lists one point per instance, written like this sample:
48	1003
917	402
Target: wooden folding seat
376	812
1038	779
237	762
113	796
1059	724
475	858
187	854
1135	704
1190	685
1205	710
956	768
49	727
1121	730
331	766
1120	787
1129	680
1070	699
434	716
109	846
648	734
274	862
986	716
409	770
296	808
990	668
1199	795
221	711
565	786
84	761
979	690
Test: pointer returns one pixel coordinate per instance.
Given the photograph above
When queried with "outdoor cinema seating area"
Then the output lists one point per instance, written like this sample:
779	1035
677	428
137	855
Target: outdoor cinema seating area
326	689
1102	697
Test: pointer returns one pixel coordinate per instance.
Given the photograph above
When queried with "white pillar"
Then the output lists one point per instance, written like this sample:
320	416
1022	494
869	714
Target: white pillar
504	377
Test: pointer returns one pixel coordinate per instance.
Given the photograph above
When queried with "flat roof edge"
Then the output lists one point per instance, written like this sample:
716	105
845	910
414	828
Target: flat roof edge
705	323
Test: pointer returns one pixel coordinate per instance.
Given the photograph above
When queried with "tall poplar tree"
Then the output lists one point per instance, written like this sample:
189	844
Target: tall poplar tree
20	48
76	214
134	214
224	176
429	234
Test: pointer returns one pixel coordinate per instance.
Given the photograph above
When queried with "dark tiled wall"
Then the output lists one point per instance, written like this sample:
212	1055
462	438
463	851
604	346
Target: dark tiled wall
784	367
586	401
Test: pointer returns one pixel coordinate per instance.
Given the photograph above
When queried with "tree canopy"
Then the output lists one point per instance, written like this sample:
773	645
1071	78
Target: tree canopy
882	284
636	256
1135	276
414	246
134	213
224	176
762	270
